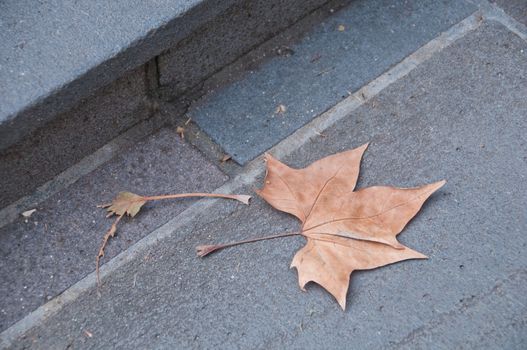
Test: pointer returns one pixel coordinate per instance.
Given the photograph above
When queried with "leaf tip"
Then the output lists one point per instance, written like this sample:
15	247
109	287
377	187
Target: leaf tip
342	303
203	250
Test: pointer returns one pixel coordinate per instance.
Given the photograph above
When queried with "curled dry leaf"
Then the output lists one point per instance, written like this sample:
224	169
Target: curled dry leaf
128	203
125	203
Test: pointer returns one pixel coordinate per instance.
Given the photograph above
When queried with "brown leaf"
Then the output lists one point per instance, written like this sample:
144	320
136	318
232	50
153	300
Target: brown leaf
125	203
346	230
130	203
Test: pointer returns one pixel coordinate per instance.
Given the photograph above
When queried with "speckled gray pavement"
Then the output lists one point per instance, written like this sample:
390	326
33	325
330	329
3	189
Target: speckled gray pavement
320	71
459	115
55	247
515	8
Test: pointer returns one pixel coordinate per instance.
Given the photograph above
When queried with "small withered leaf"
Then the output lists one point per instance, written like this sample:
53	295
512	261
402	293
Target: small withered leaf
126	203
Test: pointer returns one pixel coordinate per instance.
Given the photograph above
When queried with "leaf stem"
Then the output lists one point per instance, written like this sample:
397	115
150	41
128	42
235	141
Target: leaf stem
241	198
100	254
203	250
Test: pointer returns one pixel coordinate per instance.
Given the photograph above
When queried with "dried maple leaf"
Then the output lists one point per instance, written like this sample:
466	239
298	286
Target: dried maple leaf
346	230
125	203
321	196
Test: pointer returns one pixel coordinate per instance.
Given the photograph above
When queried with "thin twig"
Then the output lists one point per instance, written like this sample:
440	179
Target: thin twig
204	250
241	198
107	235
130	203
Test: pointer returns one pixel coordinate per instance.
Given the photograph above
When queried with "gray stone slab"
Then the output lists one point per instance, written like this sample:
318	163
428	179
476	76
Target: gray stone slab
459	116
56	246
220	42
320	70
54	53
515	8
66	139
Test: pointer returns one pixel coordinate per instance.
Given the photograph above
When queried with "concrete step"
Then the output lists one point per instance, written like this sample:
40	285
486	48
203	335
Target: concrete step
73	76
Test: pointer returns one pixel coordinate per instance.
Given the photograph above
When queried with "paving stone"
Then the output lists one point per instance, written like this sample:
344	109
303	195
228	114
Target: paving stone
320	70
459	116
56	246
514	8
72	135
220	42
54	53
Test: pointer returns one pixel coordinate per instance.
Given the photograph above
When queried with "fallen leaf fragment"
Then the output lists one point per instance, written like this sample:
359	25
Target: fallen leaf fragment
281	109
128	203
181	132
100	254
28	213
226	157
346	230
125	203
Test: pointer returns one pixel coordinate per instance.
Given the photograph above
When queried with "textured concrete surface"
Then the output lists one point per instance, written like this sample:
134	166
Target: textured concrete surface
219	42
54	53
515	8
56	246
320	70
45	68
459	116
72	135
77	118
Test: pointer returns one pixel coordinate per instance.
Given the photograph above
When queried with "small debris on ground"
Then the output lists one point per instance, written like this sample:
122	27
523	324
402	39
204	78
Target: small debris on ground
280	109
285	51
28	213
181	132
341	28
225	158
324	71
315	57
88	333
